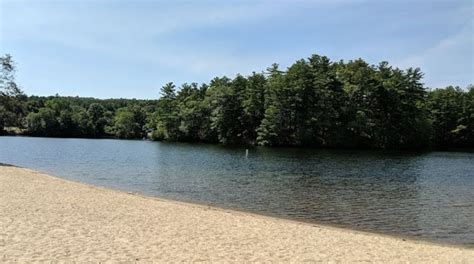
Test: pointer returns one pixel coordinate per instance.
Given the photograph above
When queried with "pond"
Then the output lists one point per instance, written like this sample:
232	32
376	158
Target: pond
426	195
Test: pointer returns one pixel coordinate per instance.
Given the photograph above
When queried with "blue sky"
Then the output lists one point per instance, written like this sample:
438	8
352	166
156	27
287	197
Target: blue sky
130	48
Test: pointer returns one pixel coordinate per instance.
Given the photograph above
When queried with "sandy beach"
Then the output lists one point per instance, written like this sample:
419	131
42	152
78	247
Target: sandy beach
43	218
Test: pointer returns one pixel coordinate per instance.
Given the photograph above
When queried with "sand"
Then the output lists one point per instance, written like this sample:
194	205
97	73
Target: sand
43	218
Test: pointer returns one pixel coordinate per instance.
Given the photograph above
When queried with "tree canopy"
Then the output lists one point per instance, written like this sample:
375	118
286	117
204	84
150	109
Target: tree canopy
11	97
314	102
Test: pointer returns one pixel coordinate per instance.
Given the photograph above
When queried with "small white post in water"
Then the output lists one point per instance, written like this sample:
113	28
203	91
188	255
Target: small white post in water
246	153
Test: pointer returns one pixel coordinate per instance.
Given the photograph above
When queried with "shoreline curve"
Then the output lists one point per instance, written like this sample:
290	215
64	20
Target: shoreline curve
50	218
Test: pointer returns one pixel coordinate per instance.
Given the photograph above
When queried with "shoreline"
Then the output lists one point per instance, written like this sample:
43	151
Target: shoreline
385	245
210	206
253	146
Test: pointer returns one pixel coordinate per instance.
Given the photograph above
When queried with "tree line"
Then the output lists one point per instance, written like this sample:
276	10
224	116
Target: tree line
314	102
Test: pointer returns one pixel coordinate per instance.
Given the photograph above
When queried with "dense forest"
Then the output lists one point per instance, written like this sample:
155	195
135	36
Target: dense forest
314	102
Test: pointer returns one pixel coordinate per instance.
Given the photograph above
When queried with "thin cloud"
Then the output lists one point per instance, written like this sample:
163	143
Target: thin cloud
446	61
134	35
116	44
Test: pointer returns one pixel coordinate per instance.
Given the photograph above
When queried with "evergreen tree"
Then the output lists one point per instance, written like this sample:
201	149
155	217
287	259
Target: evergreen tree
315	102
167	123
227	115
253	106
270	130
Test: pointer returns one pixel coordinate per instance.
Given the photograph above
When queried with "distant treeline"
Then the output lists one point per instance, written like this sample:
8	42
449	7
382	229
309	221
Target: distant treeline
314	102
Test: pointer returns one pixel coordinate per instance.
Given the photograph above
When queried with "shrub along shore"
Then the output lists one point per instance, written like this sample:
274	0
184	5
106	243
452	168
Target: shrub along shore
314	102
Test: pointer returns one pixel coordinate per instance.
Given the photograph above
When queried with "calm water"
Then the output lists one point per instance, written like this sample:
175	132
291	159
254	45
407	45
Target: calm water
424	195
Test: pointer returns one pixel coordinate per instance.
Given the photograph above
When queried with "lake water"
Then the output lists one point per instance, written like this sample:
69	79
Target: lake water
427	195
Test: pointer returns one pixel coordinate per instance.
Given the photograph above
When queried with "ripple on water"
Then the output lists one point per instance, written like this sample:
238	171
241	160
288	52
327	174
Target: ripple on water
428	195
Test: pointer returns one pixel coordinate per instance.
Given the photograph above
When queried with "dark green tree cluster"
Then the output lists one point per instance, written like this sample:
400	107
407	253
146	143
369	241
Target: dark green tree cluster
314	102
451	112
12	98
87	117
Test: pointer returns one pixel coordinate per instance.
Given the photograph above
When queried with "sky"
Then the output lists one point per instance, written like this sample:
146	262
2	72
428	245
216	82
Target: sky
129	49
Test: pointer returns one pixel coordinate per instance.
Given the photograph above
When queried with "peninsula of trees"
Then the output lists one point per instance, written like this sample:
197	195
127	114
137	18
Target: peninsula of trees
314	102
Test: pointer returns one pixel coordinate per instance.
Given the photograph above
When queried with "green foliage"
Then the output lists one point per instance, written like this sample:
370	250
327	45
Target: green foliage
128	123
270	130
253	106
452	116
227	116
11	97
167	120
86	117
44	122
314	102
